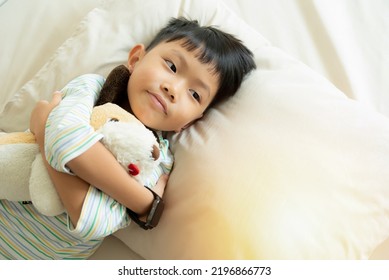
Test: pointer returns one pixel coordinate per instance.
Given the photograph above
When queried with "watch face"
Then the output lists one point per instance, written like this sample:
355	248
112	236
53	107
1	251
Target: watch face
153	216
155	212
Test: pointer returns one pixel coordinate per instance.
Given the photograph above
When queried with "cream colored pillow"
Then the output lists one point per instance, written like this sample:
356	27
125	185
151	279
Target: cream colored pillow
29	41
287	169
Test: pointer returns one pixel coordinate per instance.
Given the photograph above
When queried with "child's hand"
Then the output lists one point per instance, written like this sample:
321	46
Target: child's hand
161	185
40	114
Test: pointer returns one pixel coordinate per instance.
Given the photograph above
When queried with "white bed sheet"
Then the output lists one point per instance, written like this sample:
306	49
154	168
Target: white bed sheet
346	41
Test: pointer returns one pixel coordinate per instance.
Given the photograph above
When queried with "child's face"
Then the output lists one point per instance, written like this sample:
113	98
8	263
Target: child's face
169	87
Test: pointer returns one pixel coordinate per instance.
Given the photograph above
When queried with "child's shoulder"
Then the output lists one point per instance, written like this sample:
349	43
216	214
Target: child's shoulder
89	77
86	83
86	80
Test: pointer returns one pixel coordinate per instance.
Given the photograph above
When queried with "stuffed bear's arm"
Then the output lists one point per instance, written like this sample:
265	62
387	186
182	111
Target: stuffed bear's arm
17	138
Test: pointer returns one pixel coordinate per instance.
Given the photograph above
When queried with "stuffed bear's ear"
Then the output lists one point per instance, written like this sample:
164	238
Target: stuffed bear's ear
115	87
155	152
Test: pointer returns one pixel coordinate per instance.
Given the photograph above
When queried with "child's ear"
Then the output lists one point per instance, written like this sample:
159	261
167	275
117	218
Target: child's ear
135	54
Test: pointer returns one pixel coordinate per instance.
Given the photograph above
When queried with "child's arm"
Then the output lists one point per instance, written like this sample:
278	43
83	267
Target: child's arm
72	189
68	135
100	168
68	131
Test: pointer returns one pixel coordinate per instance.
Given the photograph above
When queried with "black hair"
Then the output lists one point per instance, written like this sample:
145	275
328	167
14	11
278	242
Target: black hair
230	59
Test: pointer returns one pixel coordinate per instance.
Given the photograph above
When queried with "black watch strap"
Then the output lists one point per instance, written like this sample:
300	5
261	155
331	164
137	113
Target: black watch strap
154	214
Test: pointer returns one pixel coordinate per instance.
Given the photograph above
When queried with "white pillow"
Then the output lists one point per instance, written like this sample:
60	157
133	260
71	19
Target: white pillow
287	169
29	41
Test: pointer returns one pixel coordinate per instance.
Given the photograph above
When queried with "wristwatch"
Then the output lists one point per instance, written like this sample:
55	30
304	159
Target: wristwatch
154	214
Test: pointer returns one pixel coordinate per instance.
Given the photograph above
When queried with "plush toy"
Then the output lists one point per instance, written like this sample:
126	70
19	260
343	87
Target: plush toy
25	178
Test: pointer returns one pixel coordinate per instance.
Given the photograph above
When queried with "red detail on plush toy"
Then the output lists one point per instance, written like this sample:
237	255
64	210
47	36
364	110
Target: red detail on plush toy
133	169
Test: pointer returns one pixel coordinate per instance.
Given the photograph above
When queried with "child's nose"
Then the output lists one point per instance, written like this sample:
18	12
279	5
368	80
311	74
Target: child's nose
171	91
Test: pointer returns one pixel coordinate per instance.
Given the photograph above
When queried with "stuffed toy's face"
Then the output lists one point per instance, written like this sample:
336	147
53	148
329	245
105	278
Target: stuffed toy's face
134	146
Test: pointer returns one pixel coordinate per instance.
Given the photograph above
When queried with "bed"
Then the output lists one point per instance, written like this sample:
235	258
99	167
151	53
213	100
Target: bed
296	166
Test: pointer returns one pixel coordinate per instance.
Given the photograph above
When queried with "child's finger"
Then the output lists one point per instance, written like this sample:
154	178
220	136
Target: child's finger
163	179
161	185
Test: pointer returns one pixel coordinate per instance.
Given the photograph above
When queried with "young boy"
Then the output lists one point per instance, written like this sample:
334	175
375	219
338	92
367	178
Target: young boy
185	70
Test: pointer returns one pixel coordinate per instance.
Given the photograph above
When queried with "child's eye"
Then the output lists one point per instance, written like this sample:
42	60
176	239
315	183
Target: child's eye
171	66
195	95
